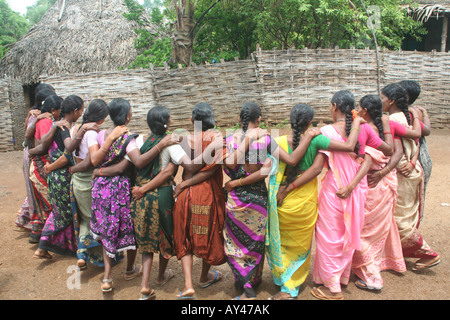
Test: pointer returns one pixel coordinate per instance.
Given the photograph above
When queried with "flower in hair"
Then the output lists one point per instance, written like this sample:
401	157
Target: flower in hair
354	113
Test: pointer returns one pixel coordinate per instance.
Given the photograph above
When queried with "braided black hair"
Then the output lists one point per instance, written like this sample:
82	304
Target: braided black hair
345	101
372	103
300	118
412	89
250	112
397	93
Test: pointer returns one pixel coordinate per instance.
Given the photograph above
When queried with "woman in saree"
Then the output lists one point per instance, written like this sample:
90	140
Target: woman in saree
42	125
27	209
292	209
84	144
341	199
153	201
246	206
380	240
199	211
111	221
58	234
409	206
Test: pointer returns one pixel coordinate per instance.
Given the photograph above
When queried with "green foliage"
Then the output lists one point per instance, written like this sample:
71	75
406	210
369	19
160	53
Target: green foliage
155	49
37	10
12	27
326	24
227	29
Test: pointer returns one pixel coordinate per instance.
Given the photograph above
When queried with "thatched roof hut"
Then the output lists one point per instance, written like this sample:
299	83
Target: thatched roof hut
74	36
434	14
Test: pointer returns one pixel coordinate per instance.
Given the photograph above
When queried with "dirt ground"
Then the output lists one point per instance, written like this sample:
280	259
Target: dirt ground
24	278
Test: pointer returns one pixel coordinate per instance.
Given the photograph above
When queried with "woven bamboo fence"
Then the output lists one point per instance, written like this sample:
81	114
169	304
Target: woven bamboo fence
432	71
311	77
12	119
276	80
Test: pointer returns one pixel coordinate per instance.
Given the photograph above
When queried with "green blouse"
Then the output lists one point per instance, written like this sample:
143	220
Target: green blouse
317	143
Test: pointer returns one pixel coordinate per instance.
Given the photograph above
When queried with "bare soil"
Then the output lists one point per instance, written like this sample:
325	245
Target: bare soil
24	278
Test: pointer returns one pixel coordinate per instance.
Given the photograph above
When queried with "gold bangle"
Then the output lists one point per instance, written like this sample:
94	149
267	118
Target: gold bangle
240	182
354	129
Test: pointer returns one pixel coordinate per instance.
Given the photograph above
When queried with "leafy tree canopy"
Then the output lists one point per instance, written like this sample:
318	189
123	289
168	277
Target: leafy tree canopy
12	27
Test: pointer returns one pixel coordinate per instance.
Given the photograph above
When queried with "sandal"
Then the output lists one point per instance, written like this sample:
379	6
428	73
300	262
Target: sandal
217	277
364	286
180	296
319	294
107	285
422	266
147	294
46	256
130	275
170	275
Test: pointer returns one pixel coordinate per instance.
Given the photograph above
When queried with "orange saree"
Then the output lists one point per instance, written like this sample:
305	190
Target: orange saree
199	214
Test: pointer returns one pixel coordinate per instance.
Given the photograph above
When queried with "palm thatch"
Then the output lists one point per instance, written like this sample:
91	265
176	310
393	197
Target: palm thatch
424	13
74	36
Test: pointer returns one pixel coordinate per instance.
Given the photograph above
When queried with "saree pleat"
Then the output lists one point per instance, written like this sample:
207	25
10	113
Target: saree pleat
58	234
244	233
152	214
39	188
290	230
410	201
199	215
381	247
88	250
111	222
27	209
340	221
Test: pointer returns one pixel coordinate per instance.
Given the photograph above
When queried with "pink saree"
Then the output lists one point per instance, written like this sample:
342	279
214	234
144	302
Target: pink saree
340	221
381	248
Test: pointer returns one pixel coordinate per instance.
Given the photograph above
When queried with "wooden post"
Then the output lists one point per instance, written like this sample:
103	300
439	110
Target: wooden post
444	34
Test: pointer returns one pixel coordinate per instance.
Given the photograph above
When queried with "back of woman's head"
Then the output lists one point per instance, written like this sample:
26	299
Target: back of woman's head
71	104
118	111
40	97
96	111
345	101
372	103
204	112
158	119
300	117
52	102
412	89
398	94
250	112
42	86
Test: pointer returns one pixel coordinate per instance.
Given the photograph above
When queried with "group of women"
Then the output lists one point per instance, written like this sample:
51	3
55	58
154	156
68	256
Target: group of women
96	193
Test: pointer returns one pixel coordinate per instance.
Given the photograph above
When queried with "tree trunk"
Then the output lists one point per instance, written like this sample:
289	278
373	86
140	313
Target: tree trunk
444	34
182	42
